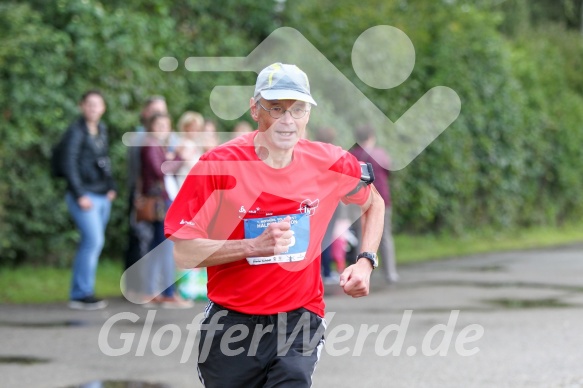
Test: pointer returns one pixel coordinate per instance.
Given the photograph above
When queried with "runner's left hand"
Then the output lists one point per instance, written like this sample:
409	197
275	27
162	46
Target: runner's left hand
355	279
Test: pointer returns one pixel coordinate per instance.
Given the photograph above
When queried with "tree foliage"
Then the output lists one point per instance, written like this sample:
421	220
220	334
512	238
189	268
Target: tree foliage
53	52
512	158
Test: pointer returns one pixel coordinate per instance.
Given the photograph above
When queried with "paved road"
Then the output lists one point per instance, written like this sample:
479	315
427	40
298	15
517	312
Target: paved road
500	320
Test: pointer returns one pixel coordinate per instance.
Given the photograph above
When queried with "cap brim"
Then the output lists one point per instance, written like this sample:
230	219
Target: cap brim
287	95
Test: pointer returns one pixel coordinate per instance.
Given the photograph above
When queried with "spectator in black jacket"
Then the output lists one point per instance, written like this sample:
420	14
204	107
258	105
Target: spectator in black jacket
90	191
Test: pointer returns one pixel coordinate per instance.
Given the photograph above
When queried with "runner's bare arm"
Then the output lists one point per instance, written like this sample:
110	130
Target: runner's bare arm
206	253
355	280
373	221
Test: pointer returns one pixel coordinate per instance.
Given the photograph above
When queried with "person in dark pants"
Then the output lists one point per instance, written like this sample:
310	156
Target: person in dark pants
254	211
90	191
139	233
160	271
367	151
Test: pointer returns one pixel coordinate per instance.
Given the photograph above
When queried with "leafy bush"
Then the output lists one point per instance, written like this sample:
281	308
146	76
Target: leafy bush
513	158
52	53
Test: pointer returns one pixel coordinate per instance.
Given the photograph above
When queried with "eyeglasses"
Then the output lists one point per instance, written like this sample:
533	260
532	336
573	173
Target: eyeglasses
277	112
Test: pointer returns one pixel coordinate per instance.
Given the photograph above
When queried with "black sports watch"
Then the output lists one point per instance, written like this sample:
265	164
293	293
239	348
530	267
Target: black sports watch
366	178
372	257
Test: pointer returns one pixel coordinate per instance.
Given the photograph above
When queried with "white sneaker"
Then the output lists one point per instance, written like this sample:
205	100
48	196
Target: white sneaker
88	303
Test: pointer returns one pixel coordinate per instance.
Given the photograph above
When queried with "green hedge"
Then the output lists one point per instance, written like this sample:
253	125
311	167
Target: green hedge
53	52
513	158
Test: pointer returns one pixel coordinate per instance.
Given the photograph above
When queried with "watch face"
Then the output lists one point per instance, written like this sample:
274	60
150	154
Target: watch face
368	255
371	256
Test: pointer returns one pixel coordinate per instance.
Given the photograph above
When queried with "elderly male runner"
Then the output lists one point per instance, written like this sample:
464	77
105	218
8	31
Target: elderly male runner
254	211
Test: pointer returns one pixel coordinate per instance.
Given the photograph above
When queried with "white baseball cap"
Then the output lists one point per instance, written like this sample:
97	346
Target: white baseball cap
283	82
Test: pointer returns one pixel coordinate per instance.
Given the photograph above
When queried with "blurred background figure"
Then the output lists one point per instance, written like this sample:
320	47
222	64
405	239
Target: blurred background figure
190	126
366	151
333	244
139	233
191	283
344	242
90	191
161	269
241	127
211	138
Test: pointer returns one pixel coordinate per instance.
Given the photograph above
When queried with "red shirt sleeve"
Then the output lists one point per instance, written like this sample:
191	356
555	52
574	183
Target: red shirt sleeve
194	208
349	167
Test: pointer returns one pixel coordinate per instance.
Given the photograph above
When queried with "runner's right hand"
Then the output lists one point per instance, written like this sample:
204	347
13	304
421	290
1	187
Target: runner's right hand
275	239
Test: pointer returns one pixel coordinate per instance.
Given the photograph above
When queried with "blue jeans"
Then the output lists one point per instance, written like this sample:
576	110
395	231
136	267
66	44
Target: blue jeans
160	268
326	261
91	224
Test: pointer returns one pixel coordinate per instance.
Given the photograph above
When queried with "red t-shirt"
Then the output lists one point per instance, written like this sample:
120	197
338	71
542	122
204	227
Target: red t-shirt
230	194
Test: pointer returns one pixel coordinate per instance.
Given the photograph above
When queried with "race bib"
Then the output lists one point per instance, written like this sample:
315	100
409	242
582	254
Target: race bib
300	224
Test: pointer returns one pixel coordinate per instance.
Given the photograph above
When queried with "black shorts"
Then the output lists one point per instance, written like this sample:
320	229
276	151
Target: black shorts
241	350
